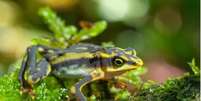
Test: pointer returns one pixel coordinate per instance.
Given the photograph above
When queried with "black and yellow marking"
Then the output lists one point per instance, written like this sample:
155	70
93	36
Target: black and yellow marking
71	56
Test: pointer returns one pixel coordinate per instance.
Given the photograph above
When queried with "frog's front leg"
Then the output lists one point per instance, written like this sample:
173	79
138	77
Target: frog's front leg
78	87
32	71
95	75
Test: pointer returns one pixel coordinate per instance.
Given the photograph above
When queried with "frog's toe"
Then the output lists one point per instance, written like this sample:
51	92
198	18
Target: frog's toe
24	90
27	90
80	97
32	94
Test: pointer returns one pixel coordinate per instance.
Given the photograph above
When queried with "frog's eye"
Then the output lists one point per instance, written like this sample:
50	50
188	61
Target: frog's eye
118	61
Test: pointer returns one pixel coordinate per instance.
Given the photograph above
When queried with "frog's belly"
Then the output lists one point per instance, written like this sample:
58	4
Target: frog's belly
73	71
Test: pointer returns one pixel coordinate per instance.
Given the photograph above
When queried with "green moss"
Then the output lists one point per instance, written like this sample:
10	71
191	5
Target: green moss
48	90
9	88
185	88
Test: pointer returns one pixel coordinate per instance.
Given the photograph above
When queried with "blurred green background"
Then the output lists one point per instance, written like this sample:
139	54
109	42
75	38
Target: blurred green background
165	33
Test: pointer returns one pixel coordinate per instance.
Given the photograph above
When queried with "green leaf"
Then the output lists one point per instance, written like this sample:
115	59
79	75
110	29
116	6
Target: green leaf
68	34
107	44
134	76
56	24
94	31
69	31
194	68
42	41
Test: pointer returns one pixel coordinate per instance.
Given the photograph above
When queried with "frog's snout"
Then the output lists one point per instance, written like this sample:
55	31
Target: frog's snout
139	62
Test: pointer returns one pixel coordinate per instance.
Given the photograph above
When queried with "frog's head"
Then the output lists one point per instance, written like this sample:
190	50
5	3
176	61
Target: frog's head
120	60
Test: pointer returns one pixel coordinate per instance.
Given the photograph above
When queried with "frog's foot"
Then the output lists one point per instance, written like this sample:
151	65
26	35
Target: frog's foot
28	91
121	85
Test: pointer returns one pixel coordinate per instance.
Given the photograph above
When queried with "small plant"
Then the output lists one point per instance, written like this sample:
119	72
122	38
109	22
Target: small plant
63	35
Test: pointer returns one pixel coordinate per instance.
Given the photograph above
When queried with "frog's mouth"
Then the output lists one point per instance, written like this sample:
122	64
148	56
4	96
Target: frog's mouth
122	69
131	65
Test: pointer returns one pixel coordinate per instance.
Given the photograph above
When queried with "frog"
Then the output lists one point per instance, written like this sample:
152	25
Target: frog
84	61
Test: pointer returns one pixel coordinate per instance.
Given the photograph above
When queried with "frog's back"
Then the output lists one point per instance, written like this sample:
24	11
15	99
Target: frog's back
83	47
76	60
